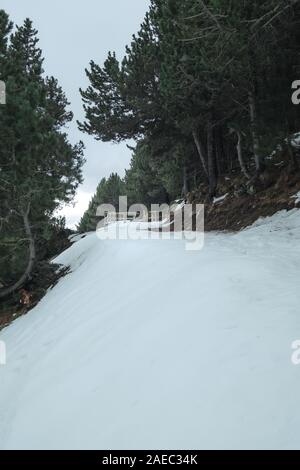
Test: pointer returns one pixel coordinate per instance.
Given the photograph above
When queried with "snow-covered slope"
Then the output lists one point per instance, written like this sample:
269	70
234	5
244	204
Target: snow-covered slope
147	345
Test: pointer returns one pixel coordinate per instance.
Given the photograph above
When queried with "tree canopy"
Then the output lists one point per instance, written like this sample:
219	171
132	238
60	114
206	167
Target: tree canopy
214	75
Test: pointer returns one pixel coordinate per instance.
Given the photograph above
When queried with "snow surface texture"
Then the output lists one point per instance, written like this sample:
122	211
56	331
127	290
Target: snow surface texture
148	346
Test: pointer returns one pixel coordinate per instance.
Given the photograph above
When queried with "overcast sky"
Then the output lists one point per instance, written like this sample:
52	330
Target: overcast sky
72	33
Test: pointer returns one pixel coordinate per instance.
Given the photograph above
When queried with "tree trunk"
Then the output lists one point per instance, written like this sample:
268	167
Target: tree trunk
220	153
32	255
185	188
254	133
294	165
200	150
240	153
212	174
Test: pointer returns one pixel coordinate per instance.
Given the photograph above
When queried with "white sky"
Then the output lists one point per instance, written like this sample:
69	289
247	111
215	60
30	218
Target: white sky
72	33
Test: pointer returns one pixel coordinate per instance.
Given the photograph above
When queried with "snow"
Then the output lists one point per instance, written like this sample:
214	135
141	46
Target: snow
145	345
179	204
296	140
297	197
218	200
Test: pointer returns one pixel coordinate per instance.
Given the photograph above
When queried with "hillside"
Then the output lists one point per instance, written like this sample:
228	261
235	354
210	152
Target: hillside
147	345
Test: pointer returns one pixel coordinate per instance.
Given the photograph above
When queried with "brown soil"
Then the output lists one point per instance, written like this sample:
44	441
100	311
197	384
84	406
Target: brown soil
26	299
246	202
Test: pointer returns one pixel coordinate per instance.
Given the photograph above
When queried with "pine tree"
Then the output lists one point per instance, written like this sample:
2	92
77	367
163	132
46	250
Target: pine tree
142	183
214	73
39	167
108	192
